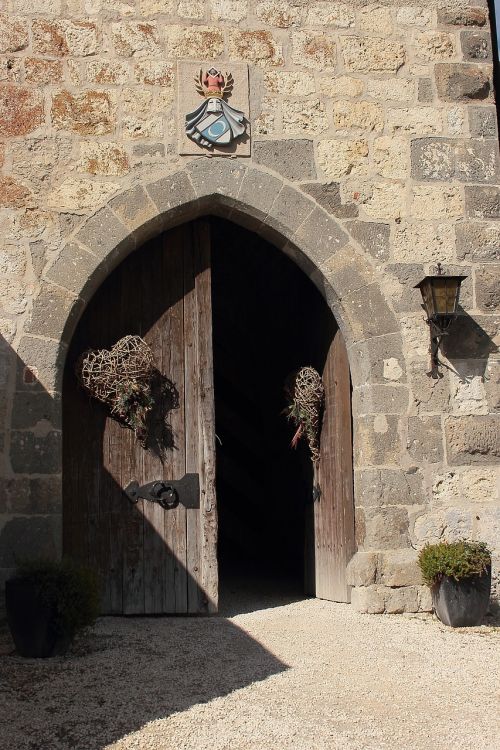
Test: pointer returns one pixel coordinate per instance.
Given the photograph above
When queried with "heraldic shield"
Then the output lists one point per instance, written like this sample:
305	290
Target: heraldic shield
214	122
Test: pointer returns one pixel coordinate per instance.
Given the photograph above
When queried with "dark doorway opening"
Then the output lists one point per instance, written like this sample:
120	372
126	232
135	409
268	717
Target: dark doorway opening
268	320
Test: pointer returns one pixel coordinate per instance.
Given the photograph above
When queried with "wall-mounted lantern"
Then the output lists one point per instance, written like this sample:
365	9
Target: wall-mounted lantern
440	295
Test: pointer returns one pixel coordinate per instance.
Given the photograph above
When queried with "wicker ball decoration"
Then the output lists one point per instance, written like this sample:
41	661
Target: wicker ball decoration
105	372
307	393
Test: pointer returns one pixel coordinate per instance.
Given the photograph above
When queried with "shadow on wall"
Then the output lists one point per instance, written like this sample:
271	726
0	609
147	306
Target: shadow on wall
30	481
468	346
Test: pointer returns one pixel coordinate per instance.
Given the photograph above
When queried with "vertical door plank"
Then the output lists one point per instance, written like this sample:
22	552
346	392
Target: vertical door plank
152	320
175	466
208	587
334	513
192	429
131	455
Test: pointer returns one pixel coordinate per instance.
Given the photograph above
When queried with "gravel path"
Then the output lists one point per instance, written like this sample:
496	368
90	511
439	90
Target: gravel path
306	675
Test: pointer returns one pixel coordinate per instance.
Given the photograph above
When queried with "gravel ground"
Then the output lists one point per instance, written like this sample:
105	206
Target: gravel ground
277	674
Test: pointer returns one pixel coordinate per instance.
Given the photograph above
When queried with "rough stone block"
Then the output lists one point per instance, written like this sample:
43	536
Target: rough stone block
84	113
462	16
390	154
109	159
80	194
36	410
138	39
329	197
365	54
35	454
105	236
372	357
172	193
258	192
417	120
399	600
428	394
432	159
60	38
372	236
427	242
38	70
368	599
315	50
425	90
73	268
294	159
14	495
138	212
21	110
425	438
347	272
340	158
385	528
304	117
399	568
399	285
30	496
210	177
13	34
53	310
424	599
476	45
362	569
380	487
289	211
35	536
487	283
365	116
434	45
482	202
483	121
377	440
368	313
256	46
377	399
473	439
39	364
437	202
320	235
462	82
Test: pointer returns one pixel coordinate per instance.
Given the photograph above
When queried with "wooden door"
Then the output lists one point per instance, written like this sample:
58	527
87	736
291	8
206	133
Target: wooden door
150	560
334	542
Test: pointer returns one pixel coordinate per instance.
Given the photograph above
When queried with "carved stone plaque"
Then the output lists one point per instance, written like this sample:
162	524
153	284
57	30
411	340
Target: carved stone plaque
213	108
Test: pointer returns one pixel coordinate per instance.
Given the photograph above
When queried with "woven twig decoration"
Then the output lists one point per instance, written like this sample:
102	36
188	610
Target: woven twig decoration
307	393
120	377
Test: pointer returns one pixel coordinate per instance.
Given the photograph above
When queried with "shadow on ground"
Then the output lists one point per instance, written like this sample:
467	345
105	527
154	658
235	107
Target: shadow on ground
123	674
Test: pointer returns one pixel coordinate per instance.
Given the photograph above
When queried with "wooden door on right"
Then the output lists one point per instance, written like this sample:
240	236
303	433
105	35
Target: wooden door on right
334	540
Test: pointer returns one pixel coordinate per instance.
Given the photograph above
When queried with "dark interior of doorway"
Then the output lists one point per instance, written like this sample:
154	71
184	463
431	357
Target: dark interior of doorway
268	320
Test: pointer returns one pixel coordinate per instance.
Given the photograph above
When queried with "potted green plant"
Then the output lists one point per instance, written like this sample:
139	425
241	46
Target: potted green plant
48	602
459	576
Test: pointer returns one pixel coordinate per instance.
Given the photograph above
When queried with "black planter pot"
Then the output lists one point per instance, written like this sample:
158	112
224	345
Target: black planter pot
31	621
462	603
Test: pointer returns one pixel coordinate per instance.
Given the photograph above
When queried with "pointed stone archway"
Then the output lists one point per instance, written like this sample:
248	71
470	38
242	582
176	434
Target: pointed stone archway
263	202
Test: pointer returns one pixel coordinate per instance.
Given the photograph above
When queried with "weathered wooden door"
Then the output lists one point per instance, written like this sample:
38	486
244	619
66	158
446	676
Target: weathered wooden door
150	560
334	542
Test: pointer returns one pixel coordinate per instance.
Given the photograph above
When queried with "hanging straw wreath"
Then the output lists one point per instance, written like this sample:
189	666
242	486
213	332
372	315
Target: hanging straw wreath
306	392
121	378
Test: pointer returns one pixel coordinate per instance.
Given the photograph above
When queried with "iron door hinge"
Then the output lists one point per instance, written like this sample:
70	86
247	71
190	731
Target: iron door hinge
168	493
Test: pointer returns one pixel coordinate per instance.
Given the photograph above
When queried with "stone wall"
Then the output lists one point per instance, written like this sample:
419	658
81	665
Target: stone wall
374	156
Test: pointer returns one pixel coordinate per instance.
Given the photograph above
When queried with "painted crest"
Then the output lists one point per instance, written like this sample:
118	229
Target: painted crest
215	122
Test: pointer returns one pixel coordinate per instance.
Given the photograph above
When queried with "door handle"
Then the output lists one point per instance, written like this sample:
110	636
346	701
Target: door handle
168	493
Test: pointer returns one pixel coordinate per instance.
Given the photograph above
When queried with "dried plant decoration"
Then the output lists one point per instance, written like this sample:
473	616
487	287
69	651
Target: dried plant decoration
307	394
